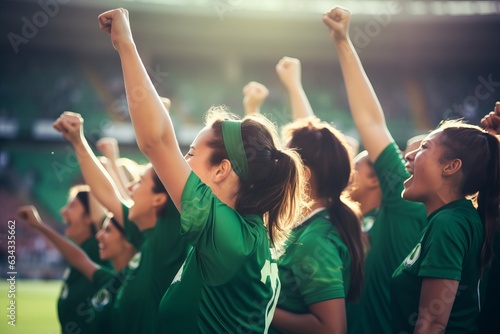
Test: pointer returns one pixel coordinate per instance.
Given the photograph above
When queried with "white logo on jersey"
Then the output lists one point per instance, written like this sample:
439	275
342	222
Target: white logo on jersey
367	223
413	256
66	273
271	270
178	276
64	291
101	299
135	261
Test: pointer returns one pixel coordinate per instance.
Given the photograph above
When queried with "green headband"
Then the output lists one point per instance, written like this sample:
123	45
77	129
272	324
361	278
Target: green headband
233	142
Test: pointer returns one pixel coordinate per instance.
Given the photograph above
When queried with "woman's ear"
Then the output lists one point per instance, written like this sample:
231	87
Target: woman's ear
221	171
452	167
160	200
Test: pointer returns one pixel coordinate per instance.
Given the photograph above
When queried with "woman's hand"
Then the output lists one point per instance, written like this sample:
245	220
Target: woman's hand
337	20
70	125
116	23
30	214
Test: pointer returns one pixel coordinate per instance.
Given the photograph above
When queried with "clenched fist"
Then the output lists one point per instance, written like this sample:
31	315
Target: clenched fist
70	124
337	20
30	214
116	23
254	94
289	72
491	122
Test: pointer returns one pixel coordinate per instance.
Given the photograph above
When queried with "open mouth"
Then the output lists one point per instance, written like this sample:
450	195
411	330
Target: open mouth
409	169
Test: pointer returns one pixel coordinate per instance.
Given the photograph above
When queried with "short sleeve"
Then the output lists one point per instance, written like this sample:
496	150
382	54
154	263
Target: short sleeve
132	232
391	172
222	238
446	246
319	266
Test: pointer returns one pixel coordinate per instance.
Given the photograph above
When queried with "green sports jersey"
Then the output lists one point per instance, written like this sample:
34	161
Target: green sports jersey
229	282
489	318
75	291
160	254
98	309
393	235
315	267
449	248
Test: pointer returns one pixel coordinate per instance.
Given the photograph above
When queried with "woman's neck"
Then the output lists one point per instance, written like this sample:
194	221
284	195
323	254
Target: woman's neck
121	261
147	221
440	200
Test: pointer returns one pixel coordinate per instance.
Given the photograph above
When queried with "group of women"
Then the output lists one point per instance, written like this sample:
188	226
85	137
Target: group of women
245	234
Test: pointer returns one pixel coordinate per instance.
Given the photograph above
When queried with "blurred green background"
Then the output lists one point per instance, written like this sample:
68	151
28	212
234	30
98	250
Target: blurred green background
427	60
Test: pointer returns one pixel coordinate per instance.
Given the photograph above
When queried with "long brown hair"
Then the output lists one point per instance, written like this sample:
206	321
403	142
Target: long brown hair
480	155
159	188
275	184
82	193
324	150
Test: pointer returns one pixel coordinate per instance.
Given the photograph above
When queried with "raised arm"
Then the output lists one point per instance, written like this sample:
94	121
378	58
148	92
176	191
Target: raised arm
71	126
491	122
152	124
289	72
109	148
75	256
365	107
254	94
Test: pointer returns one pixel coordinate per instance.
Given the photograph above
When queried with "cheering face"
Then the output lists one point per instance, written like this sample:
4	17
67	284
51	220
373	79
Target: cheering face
198	156
77	220
142	194
426	170
111	241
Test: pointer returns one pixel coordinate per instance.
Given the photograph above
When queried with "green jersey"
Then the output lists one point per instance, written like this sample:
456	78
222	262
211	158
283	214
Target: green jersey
76	290
393	235
98	310
229	282
489	318
315	267
161	252
449	248
368	221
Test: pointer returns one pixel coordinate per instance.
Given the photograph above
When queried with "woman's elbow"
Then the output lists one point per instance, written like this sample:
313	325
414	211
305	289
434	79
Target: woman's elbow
149	145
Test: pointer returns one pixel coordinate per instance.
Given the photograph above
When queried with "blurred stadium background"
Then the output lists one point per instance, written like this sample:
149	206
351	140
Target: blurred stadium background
427	60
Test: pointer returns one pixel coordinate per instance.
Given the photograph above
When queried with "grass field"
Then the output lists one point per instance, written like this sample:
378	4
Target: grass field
36	307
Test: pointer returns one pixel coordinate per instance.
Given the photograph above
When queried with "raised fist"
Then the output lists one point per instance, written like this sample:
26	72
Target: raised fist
30	214
116	23
337	20
70	125
289	72
254	94
108	146
491	122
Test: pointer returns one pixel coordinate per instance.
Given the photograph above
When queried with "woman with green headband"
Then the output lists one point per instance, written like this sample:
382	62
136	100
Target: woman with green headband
238	194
